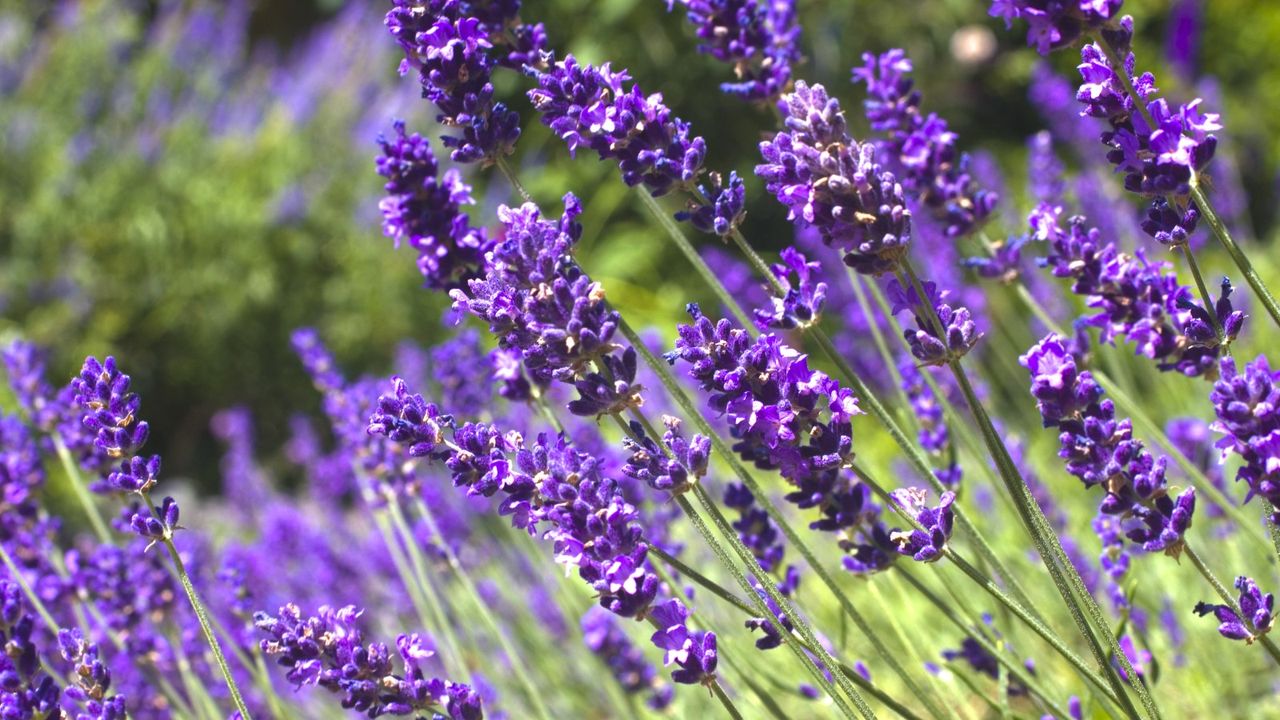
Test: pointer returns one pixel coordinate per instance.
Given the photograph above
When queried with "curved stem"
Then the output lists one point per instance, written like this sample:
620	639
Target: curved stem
202	616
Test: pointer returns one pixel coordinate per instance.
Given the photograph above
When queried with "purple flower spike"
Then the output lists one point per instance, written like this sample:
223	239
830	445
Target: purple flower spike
1257	611
693	651
110	408
959	332
650	463
760	40
803	299
408	419
587	106
828	181
92	680
924	545
423	208
1248	409
921	149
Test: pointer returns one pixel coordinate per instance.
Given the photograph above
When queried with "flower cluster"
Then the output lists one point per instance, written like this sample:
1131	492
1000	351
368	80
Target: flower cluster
693	651
930	344
1054	24
675	473
1255	616
1248	408
454	55
111	412
828	181
588	106
1140	300
725	209
923	149
802	300
423	208
784	415
27	691
1159	148
93	679
1101	450
606	638
759	39
328	650
928	544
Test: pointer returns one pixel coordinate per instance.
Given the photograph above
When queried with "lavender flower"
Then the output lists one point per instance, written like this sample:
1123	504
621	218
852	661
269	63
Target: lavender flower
1248	409
423	208
785	416
724	211
1101	450
922	149
924	545
827	180
1140	300
328	650
1257	609
959	332
587	106
27	690
1054	24
676	473
93	679
760	40
693	651
452	54
802	300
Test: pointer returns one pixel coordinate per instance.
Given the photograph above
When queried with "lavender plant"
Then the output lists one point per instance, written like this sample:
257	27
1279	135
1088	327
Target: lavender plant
824	491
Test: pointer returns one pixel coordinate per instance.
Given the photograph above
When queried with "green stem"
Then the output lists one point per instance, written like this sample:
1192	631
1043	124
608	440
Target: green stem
724	699
708	275
482	609
1226	596
202	616
80	489
1065	576
510	174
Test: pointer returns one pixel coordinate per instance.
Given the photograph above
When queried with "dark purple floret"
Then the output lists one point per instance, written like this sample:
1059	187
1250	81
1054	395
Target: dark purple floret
759	39
110	409
924	545
587	106
606	638
1101	450
1257	611
777	627
1168	225
1139	300
407	419
921	149
725	209
454	57
675	472
803	298
610	391
1248	409
1053	24
328	650
423	208
694	651
828	181
959	332
156	527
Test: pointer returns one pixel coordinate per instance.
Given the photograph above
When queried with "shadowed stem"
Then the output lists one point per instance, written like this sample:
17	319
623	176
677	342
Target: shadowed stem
1227	597
764	581
724	594
1064	574
202	615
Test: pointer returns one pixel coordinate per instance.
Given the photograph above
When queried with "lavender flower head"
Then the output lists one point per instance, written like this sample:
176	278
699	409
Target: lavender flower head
803	299
454	57
1102	452
423	208
828	181
1247	405
1257	611
959	333
925	545
693	651
921	149
606	638
760	40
